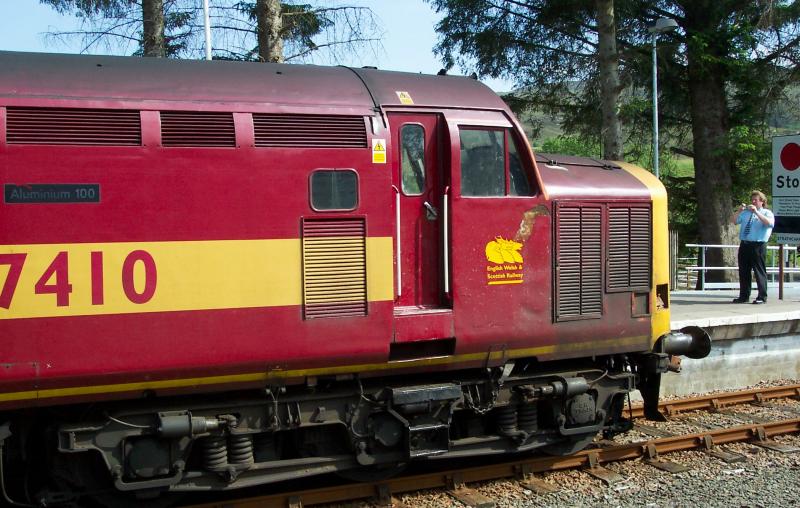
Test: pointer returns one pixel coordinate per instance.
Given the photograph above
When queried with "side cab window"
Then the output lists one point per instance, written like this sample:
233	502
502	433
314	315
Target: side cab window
491	163
333	190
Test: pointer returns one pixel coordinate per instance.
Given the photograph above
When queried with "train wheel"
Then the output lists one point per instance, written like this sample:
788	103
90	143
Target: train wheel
85	475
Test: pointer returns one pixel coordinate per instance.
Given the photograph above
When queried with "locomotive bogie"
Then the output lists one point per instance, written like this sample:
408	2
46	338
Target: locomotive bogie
344	426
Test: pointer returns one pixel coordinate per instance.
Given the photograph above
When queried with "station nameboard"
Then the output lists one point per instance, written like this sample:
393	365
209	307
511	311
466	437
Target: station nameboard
786	188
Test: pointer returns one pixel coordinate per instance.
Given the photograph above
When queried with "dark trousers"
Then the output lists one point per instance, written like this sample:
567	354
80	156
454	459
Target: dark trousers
751	257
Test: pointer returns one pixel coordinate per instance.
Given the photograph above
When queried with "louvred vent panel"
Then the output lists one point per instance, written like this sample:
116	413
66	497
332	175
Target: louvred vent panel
641	248
334	268
629	248
197	128
579	280
312	131
65	126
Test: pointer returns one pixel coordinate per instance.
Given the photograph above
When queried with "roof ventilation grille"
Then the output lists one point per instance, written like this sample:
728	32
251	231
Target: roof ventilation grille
311	131
197	129
67	126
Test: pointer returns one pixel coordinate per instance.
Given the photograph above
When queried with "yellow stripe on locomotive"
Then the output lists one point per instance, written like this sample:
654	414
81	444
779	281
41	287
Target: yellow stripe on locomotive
120	278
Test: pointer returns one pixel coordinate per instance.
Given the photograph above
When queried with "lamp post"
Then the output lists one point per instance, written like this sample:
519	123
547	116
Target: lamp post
661	25
207	27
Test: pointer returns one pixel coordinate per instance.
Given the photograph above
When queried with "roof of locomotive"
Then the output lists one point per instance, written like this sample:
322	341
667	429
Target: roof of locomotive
48	77
59	76
566	176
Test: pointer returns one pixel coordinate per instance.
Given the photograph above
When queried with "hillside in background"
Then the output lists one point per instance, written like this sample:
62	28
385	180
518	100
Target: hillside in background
784	118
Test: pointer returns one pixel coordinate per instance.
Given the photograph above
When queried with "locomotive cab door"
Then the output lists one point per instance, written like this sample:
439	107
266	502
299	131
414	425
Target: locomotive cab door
501	225
422	310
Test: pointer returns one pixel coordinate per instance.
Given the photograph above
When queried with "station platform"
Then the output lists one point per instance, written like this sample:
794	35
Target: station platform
750	343
714	309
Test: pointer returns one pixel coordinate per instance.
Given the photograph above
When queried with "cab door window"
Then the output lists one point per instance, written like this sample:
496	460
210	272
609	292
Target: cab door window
412	159
491	164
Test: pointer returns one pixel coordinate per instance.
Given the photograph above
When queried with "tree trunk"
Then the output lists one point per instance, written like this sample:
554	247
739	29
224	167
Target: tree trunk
608	67
710	126
270	23
153	28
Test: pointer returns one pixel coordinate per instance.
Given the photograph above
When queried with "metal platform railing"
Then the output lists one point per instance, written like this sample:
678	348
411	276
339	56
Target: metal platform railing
790	269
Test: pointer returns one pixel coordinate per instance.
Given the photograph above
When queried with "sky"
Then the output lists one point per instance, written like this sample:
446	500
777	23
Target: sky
407	45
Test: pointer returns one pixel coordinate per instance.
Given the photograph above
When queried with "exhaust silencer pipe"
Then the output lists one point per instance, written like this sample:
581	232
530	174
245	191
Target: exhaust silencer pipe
691	341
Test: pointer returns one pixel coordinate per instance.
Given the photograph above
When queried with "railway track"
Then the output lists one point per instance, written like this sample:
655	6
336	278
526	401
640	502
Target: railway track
712	439
718	400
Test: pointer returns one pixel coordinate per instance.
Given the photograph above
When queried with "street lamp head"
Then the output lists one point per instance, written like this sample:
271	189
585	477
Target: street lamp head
663	25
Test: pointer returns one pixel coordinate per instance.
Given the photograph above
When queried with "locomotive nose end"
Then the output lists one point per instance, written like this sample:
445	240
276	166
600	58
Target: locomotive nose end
691	341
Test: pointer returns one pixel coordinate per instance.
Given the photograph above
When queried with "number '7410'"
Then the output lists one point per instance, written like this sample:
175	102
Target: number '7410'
55	279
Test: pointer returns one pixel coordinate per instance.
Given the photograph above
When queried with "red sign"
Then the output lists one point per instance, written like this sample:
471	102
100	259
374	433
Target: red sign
790	156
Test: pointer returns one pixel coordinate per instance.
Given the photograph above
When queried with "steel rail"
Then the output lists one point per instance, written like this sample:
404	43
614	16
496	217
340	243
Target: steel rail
719	400
586	458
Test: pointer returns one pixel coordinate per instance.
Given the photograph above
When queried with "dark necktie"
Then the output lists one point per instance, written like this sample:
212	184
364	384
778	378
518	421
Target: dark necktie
747	226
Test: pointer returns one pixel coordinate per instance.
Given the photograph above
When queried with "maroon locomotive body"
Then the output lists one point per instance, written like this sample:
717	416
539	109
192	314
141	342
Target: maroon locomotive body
219	274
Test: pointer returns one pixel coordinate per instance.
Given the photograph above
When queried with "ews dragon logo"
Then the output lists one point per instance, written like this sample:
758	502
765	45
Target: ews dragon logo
506	267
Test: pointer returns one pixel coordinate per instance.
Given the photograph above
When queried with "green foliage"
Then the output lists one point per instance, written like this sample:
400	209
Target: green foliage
178	32
682	206
300	23
682	167
752	156
572	145
546	47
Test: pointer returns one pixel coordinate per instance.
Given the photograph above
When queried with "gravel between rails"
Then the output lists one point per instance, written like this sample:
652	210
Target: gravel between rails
765	479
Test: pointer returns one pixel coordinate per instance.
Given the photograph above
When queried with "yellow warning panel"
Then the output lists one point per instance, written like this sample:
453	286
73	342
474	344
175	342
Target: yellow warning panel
405	98
379	151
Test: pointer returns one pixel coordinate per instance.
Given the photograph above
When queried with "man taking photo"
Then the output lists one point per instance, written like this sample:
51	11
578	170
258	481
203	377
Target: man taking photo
755	225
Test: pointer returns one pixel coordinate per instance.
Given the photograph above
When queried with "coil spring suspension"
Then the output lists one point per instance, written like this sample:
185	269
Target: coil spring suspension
240	449
527	417
507	420
215	452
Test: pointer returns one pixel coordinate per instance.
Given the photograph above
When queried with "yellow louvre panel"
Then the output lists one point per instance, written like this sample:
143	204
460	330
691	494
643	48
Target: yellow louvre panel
334	268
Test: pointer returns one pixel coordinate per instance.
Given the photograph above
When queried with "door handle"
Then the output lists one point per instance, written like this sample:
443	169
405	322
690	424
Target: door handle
430	211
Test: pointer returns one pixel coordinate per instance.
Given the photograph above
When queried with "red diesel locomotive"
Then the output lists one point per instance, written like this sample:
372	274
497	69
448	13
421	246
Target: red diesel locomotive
220	274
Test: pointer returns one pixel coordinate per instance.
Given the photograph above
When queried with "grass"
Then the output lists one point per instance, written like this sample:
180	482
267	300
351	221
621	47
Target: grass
682	166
